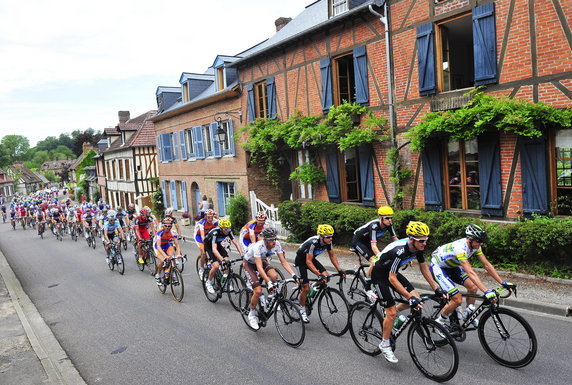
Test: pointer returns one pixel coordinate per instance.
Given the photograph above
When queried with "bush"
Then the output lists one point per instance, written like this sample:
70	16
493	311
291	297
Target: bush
238	212
540	245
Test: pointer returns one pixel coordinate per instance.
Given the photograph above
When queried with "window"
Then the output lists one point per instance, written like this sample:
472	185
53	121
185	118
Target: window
338	6
225	146
207	140
220	80
351	187
344	80
120	165
189	143
455	68
127	170
226	190
564	172
304	189
186	93
261	101
463	189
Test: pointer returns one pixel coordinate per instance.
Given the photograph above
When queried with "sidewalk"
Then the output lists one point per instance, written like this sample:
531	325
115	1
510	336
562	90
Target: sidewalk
544	295
29	352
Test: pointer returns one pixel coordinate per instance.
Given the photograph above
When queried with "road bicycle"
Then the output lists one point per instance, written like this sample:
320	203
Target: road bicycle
23	222
227	282
287	317
504	334
430	345
58	232
41	229
3	217
73	232
13	223
333	309
173	278
148	256
355	290
90	239
114	257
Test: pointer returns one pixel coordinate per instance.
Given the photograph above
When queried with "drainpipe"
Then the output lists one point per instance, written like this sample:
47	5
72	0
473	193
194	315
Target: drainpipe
385	20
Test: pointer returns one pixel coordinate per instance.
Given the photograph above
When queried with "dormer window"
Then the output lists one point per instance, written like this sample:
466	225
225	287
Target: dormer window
220	79
338	6
186	92
123	138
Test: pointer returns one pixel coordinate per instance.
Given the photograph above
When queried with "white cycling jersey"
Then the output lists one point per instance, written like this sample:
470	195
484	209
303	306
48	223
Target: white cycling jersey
258	249
451	254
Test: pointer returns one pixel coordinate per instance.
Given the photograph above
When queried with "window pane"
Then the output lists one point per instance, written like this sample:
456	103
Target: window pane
351	165
471	150
474	198
352	192
564	172
453	151
455	185
472	170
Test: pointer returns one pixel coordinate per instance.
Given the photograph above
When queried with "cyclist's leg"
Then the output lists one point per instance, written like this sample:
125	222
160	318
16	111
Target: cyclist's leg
446	279
250	271
366	252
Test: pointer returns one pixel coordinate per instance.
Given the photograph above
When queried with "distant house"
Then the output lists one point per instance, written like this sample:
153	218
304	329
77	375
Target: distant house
6	185
60	168
26	181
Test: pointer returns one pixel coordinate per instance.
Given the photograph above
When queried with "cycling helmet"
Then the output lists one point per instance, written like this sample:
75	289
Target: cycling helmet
261	215
476	233
269	232
130	206
224	224
111	215
168	211
119	208
144	211
105	210
325	230
385	211
210	212
417	229
167	221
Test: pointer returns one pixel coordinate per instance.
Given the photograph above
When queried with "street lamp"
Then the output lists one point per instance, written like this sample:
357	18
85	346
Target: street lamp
220	134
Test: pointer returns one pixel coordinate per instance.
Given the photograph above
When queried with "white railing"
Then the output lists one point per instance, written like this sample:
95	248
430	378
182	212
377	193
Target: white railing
256	205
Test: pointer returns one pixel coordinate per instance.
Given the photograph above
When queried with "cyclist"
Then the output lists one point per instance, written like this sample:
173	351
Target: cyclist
366	238
256	264
450	265
143	229
201	229
40	217
249	232
169	215
121	214
386	276
215	247
3	208
110	229
57	219
131	213
87	220
163	246
306	260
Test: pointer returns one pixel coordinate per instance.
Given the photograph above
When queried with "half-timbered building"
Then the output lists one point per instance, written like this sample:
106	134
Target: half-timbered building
128	160
404	58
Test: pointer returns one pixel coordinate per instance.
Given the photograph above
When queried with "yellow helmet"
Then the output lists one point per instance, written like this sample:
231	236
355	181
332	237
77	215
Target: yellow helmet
417	229
325	230
385	211
224	224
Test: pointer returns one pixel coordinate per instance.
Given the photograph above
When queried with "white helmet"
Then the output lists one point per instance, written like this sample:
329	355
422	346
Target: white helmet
168	211
111	214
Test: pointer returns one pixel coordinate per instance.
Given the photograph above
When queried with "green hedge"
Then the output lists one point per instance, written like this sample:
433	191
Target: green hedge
539	245
238	212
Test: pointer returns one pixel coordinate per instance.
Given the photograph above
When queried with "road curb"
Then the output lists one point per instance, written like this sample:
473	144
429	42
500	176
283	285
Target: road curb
56	363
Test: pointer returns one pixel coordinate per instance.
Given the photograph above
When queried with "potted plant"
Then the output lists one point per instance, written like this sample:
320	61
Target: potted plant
185	221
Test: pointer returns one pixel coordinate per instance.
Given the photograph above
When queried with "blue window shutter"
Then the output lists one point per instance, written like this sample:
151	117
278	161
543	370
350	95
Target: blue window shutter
534	175
198	139
230	134
214	142
174	195
167	148
160	147
366	175
198	199
333	175
164	191
183	143
327	91
489	173
271	96
485	44
185	203
426	59
250	103
220	198
432	177
360	75
175	138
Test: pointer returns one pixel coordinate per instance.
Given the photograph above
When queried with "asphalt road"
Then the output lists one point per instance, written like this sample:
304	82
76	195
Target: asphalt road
121	330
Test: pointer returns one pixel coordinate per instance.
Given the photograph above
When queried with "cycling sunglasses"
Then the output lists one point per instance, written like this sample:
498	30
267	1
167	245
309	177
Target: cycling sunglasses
421	240
271	239
386	217
328	236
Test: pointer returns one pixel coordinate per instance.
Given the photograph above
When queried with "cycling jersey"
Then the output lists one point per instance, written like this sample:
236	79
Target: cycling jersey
142	225
245	231
163	240
259	250
394	256
372	231
312	246
217	238
111	227
451	254
204	225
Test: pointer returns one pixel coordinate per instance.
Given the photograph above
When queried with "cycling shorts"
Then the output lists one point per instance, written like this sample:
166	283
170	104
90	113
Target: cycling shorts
448	277
252	272
384	290
210	254
144	233
362	248
302	270
167	248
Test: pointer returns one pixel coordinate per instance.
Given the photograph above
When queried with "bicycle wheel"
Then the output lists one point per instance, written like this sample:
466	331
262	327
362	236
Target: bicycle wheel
150	261
213	297
244	306
507	337
110	264
141	266
120	263
433	350
355	292
93	242
162	286
289	323
365	328
333	311
234	287
177	285
124	242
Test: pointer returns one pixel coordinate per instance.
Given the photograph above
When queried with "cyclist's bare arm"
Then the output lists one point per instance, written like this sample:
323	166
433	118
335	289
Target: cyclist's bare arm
473	275
310	264
285	264
238	247
490	268
260	268
394	281
427	275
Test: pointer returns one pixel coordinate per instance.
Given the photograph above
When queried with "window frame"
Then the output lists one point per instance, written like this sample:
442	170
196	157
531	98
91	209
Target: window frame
336	4
260	96
304	191
220	78
343	177
350	78
207	144
190	143
463	185
185	90
553	172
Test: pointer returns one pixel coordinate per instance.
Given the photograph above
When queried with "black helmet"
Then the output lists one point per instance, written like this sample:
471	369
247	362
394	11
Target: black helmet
476	233
268	233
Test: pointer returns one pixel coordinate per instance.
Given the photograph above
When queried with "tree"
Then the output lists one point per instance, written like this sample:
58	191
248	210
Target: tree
13	148
78	139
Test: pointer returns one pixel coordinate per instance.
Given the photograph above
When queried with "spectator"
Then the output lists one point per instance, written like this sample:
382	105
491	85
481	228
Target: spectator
203	206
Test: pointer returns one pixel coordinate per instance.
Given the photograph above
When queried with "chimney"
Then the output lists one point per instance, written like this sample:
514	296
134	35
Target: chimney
281	22
86	147
124	116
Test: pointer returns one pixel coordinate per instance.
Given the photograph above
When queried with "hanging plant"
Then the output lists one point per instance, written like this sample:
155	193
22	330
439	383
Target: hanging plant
485	112
309	173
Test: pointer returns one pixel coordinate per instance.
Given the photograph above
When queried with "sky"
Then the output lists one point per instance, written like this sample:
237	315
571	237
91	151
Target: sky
72	65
